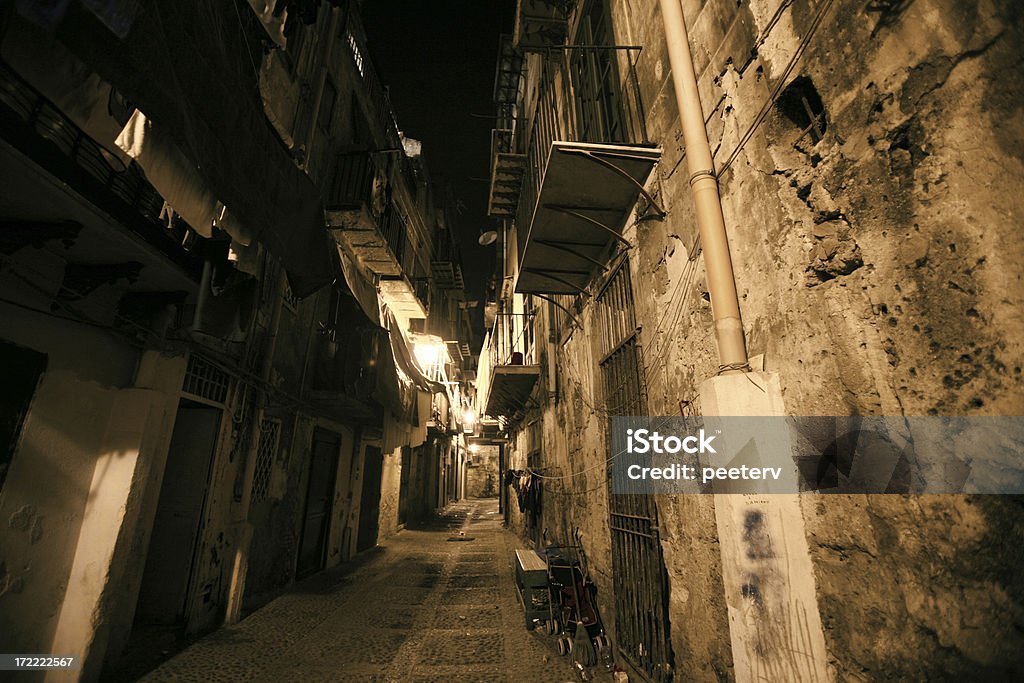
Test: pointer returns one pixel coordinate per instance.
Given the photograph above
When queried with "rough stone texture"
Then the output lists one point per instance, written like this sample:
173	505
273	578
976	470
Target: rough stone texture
391	618
878	273
482	476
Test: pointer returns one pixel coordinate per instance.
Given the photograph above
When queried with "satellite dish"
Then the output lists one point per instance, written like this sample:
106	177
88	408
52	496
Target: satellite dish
488	238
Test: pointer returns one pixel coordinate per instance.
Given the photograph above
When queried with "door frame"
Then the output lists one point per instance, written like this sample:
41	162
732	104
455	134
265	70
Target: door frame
329	515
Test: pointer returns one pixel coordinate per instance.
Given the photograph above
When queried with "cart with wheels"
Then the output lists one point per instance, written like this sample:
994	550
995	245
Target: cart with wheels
532	587
573	615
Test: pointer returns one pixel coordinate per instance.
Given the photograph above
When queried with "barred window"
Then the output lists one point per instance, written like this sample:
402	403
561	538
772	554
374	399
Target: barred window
270	435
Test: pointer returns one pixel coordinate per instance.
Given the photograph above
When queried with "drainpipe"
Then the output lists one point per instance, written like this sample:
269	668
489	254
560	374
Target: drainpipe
725	306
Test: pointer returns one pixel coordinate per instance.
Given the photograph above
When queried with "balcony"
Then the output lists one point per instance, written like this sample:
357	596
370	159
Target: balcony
347	361
510	372
446	266
541	24
364	218
44	137
588	158
507	169
407	299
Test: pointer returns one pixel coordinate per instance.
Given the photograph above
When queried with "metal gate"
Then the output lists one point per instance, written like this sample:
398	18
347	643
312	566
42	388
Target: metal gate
641	614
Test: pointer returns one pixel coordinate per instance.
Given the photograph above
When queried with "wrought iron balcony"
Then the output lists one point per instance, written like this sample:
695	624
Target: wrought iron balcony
507	170
588	157
346	370
446	267
40	131
510	372
363	216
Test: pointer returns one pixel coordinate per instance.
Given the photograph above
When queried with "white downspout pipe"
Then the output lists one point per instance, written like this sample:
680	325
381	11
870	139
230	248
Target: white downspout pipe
725	306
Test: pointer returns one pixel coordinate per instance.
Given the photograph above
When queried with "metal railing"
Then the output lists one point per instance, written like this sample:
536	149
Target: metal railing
352	184
581	97
511	340
37	126
377	94
393	228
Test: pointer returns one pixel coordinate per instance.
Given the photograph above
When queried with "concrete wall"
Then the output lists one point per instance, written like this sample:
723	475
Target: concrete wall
46	491
877	274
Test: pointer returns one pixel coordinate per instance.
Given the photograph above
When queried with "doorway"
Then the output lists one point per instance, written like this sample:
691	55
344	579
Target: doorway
176	527
369	501
319	502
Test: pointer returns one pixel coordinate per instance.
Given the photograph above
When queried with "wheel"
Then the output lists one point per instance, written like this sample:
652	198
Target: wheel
568	640
554	627
598	643
563	648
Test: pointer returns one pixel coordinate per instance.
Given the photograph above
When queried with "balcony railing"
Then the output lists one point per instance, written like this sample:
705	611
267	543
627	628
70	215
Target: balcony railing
379	101
581	98
508	374
352	183
392	229
43	132
512	340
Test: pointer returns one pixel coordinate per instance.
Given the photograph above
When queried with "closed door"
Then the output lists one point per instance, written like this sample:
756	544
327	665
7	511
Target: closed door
179	511
369	502
319	501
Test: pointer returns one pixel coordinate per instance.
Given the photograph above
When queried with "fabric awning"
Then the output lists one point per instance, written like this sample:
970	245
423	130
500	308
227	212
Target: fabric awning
405	360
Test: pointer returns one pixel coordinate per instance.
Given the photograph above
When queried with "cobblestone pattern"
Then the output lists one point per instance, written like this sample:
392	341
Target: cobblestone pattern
427	608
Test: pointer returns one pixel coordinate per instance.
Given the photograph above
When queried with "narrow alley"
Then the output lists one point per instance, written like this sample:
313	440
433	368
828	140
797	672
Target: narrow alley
631	341
434	603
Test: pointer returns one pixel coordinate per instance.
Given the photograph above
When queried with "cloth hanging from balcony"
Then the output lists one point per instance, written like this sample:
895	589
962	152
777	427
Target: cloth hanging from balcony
192	67
364	291
169	171
405	359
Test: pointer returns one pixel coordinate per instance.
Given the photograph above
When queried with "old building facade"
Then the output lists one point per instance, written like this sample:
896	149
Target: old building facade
867	156
234	322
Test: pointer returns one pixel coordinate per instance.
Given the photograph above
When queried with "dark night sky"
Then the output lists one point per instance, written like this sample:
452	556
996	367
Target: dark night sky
438	57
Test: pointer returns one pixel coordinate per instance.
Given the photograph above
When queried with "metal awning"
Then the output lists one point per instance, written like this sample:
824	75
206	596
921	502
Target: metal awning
586	195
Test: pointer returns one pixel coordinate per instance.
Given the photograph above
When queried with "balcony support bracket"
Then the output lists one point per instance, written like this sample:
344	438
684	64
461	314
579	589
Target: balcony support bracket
574	211
600	158
548	275
564	246
564	309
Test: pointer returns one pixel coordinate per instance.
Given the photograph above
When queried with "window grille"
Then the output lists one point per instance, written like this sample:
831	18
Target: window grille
641	591
270	435
205	380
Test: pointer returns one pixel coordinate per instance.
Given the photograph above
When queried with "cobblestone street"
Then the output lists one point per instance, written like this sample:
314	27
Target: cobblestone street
424	608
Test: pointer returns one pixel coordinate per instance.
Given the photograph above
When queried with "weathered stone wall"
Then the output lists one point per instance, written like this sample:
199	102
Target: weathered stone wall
876	268
482	476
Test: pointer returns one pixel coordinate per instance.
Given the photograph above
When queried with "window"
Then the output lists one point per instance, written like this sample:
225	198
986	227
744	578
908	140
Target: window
639	571
22	369
595	79
270	435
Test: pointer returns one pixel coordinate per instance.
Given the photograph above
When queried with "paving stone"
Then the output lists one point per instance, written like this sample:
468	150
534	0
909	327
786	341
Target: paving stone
421	610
